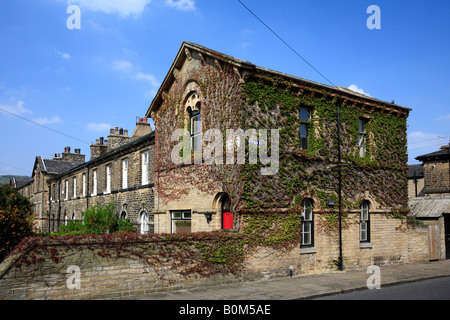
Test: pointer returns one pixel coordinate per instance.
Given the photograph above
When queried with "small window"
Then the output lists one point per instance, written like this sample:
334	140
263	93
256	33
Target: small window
95	183
84	184
362	138
75	188
307	224
145	167
181	221
304	116
144	222
195	124
108	179
124	173
66	190
364	222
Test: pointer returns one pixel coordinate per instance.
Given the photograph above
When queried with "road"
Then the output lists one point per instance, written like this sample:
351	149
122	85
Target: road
432	289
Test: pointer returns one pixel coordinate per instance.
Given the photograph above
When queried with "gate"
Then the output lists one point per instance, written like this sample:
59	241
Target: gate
434	243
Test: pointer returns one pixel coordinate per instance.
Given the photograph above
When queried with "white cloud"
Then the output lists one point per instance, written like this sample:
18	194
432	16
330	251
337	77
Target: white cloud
17	109
184	5
443	117
133	72
355	88
45	121
124	8
63	55
98	127
123	65
148	77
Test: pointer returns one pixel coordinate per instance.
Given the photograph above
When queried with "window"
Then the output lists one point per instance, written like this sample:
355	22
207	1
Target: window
304	116
108	179
84	184
307	224
362	138
75	188
124	173
95	183
364	222
145	163
144	222
66	190
181	221
195	130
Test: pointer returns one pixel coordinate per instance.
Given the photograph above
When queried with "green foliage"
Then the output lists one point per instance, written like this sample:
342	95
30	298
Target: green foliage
16	219
97	220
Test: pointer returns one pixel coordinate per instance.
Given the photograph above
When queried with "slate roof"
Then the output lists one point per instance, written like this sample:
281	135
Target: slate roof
429	207
417	169
58	166
442	154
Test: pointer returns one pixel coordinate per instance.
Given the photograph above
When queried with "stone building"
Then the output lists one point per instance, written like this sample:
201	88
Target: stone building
207	93
119	172
432	205
37	191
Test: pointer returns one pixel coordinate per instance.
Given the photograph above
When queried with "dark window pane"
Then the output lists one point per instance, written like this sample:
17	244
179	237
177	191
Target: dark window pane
304	115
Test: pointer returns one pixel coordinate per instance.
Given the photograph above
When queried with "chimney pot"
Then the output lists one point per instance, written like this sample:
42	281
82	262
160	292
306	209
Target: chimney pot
145	120
121	131
101	140
141	120
117	130
97	141
68	149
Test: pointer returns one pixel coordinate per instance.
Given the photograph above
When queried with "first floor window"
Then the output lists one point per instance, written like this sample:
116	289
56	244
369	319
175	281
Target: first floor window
145	167
181	221
364	222
124	173
304	117
362	138
74	188
108	179
95	183
307	223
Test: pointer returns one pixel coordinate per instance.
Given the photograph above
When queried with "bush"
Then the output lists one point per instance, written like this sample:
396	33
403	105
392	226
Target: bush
16	219
97	220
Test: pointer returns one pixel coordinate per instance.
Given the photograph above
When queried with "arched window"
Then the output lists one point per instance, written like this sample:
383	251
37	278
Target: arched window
195	128
364	222
123	215
227	217
307	224
143	221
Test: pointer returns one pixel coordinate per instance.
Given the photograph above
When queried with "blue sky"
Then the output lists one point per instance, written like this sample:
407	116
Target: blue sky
84	82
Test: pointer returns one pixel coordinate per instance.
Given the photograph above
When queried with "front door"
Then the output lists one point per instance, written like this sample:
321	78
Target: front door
447	234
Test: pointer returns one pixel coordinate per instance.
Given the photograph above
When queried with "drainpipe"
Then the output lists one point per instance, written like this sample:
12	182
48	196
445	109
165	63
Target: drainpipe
340	262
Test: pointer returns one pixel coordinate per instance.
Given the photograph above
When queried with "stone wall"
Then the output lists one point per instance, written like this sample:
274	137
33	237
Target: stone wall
437	177
108	277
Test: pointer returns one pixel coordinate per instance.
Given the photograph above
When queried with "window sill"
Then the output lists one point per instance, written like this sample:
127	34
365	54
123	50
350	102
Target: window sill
365	245
308	250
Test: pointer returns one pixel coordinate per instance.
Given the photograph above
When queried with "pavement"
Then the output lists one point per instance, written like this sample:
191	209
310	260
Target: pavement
309	286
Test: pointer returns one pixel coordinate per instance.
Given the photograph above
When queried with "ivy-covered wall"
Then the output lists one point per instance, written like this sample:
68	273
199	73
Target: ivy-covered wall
273	102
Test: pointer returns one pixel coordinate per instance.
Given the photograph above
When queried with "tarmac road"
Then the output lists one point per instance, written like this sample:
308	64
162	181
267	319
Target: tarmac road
431	289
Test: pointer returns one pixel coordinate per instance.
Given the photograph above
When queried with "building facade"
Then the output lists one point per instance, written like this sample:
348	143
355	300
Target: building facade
207	94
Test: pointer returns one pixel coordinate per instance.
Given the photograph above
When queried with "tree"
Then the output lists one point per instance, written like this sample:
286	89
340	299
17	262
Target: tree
16	219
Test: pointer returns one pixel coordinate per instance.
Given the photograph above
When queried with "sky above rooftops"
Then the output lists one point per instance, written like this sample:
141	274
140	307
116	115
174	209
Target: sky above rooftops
82	82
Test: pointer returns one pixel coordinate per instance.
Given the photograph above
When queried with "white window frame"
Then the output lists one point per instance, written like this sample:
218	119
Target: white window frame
307	224
364	222
94	177
145	167
84	184
74	187
143	221
108	178
362	137
180	216
124	173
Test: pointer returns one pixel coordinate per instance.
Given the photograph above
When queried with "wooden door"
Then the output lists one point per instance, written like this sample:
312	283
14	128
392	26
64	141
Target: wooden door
434	236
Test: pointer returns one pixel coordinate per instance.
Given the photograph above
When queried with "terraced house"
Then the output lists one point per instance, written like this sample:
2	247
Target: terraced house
266	157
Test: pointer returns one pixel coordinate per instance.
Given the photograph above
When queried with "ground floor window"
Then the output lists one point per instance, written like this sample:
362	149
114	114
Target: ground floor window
181	221
144	222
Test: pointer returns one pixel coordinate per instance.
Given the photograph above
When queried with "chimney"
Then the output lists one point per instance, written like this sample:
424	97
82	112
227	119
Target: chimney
75	157
117	138
98	148
142	128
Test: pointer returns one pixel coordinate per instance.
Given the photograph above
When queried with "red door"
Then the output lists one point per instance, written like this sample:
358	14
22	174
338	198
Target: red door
227	220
